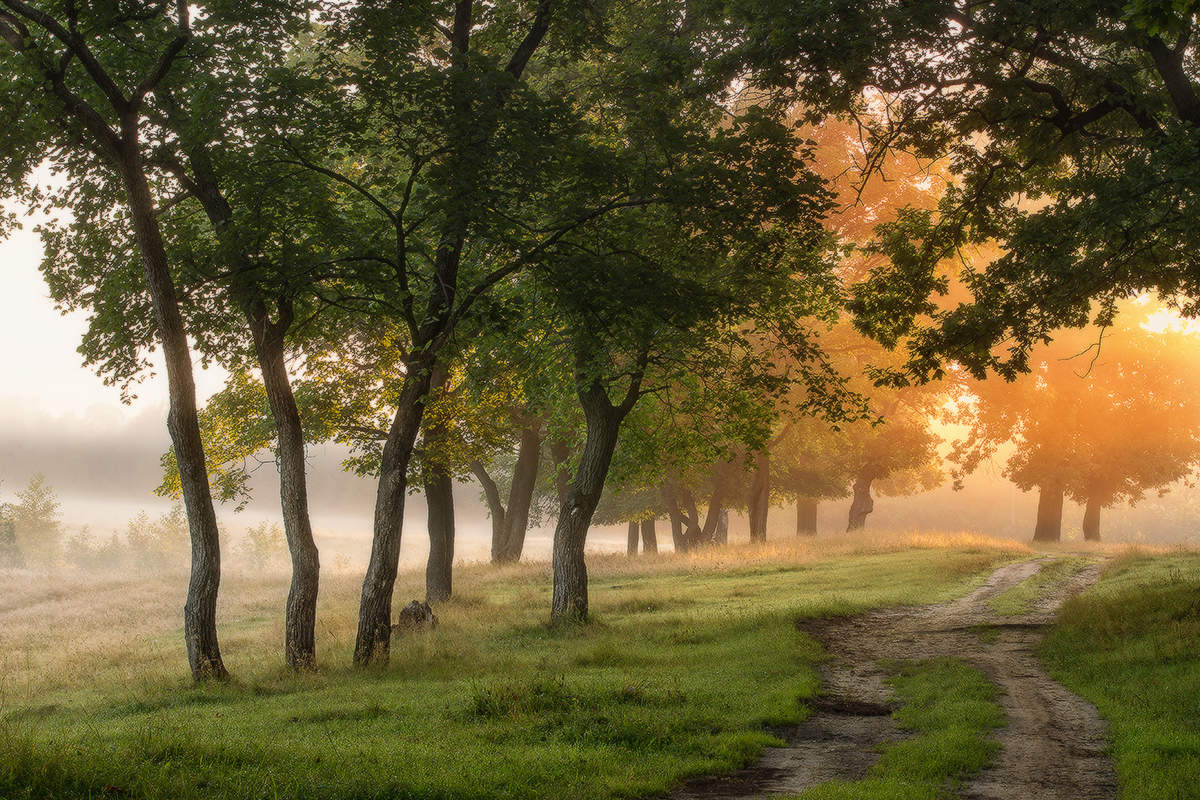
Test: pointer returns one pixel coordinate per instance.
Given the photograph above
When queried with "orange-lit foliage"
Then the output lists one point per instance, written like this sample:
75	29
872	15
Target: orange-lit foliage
1104	417
894	449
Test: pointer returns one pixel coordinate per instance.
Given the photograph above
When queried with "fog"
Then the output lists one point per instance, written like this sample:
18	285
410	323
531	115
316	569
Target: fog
104	468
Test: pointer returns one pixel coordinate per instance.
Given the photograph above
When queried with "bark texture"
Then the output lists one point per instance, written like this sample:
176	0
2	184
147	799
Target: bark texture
570	597
439	570
1091	520
806	516
1049	515
760	498
183	423
300	617
862	504
649	537
439	499
631	538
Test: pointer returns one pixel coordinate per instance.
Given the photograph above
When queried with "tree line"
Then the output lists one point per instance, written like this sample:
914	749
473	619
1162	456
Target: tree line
441	232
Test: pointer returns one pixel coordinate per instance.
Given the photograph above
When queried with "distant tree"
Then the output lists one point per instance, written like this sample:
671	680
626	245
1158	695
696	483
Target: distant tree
10	555
36	522
1104	417
262	546
809	464
159	544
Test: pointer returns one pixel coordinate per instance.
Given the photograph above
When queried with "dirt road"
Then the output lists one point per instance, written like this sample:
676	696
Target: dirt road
1051	748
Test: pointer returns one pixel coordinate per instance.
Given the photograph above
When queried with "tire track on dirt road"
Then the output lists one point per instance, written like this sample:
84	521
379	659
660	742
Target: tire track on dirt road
1054	743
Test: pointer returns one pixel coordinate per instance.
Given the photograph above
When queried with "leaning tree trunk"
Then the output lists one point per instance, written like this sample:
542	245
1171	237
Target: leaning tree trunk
1091	520
760	497
806	516
300	618
631	538
1049	515
375	607
570	598
862	504
649	537
439	571
183	423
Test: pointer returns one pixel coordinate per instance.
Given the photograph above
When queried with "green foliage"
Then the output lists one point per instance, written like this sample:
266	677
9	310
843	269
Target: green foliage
1128	645
146	546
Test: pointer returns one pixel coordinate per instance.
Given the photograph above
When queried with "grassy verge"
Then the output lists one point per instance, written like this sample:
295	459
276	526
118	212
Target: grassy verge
1021	598
950	708
1131	645
682	673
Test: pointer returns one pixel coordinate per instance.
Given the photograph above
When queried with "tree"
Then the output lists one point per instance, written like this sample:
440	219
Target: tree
711	279
808	462
1105	417
10	555
37	528
96	107
1071	131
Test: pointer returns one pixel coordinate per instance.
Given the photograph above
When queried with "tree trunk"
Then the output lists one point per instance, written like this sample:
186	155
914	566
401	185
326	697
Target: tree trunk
570	598
671	499
693	530
649	537
510	525
1049	515
520	495
760	497
1091	520
439	571
721	536
300	618
632	535
806	516
491	493
716	506
439	499
183	423
375	608
862	504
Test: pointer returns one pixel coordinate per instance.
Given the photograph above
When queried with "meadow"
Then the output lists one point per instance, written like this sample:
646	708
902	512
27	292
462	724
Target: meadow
690	666
687	666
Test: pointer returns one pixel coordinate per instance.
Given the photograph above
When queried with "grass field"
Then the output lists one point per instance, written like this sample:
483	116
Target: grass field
1131	645
685	668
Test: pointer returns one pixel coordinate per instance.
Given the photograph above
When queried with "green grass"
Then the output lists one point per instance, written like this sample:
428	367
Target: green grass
951	709
683	672
1131	645
1022	598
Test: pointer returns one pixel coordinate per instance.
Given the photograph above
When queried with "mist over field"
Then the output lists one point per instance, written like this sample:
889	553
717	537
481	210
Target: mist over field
105	466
